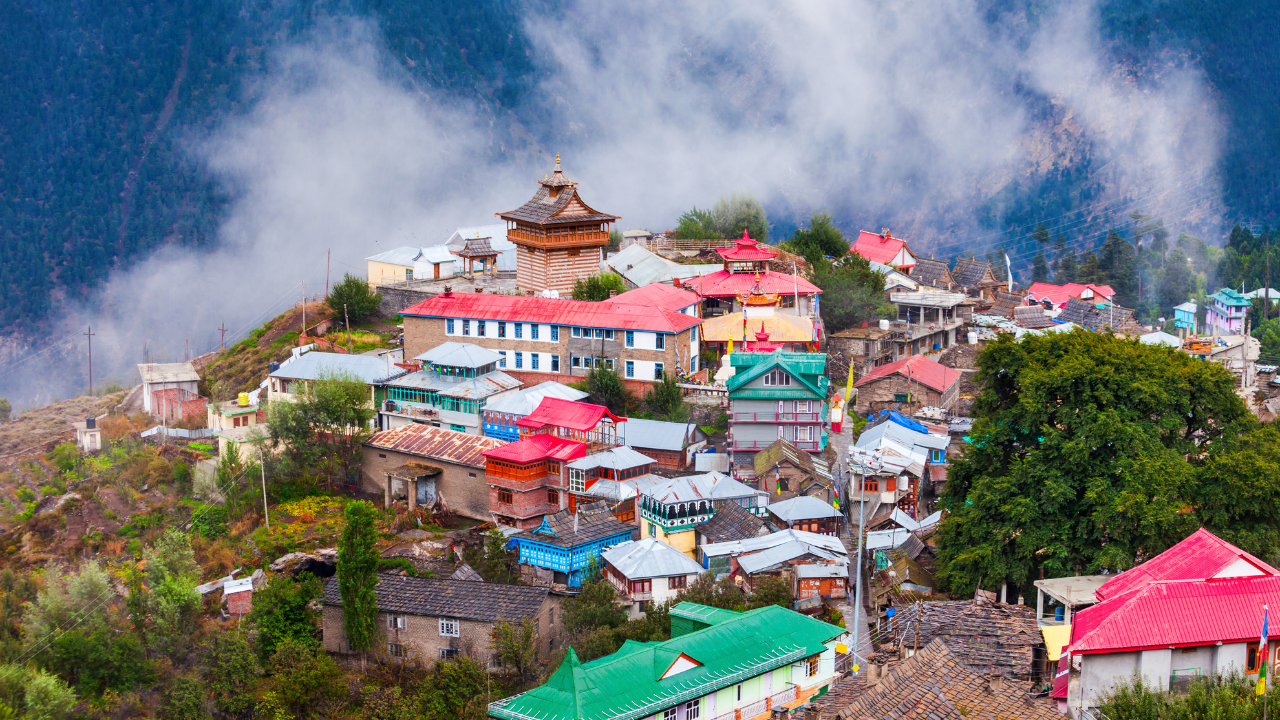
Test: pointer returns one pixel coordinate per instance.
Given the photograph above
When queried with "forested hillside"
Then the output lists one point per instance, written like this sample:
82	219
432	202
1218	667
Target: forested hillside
100	106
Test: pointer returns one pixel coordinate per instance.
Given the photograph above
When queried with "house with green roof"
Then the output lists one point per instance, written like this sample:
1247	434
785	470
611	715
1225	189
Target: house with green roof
1226	312
718	663
778	395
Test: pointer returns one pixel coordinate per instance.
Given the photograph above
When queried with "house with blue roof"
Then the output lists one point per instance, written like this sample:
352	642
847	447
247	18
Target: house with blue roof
777	395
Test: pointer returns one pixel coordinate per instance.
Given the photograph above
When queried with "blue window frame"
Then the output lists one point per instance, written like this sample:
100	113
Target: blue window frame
466	327
555	333
533	360
448	326
519	360
502	330
519	334
533	331
479	328
659	341
657	370
938	456
631	339
631	367
555	363
502	361
693	334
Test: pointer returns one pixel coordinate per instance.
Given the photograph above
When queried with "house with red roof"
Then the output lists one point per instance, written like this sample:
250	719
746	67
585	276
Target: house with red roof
915	379
1055	297
885	249
641	333
746	272
1192	611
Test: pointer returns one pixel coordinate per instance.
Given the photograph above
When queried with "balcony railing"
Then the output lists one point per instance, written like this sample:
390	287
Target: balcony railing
640	596
810	445
594	237
777	417
784	697
758	707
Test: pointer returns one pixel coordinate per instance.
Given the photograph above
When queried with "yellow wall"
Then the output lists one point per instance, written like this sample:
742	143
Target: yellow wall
381	273
682	541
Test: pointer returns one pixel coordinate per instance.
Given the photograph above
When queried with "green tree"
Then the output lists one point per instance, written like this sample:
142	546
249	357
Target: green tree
172	600
184	700
771	591
326	425
1177	282
455	690
820	239
354	295
739	212
495	561
1268	333
666	399
707	590
1118	267
229	670
1067	269
5	410
615	240
1042	235
596	605
47	697
515	646
358	575
606	388
1039	268
697	225
282	611
598	287
1080	457
306	680
1220	696
852	292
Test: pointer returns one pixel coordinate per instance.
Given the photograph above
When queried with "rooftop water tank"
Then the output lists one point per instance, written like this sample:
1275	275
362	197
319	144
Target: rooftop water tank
243	399
90	423
884	324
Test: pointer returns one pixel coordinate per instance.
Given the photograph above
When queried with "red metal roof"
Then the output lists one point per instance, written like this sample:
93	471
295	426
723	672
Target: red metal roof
918	368
878	248
657	295
1058	295
1177	613
558	412
579	313
539	447
746	249
1199	556
435	443
724	284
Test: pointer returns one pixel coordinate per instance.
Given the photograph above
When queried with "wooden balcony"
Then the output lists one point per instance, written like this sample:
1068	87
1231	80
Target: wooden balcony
777	417
545	241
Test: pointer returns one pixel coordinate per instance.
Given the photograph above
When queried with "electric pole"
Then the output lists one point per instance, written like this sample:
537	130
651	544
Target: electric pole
347	319
327	257
223	328
1266	307
89	334
304	308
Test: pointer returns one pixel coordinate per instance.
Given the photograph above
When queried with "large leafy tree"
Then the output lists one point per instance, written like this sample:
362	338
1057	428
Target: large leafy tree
727	219
820	239
1084	457
1177	282
358	575
325	425
353	296
598	287
282	611
851	292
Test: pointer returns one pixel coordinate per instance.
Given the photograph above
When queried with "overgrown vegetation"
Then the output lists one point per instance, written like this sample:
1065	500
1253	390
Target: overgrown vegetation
598	287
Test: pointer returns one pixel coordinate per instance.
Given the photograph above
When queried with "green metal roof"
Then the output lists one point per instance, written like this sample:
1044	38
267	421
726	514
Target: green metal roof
805	363
1231	298
628	684
800	366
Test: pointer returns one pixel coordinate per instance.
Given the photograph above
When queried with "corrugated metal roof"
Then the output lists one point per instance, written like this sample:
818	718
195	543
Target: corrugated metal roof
538	447
557	412
657	295
803	507
1161	338
878	248
753	563
458	354
526	401
311	366
435	443
649	558
555	311
918	368
619	490
754	544
1177	613
641	267
1199	556
618	458
708	486
471	388
168	372
814	570
407	255
656	434
927	297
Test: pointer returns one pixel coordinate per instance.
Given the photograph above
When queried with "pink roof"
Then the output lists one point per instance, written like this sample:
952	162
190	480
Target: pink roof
1177	613
539	447
579	313
917	367
1058	295
724	284
657	295
878	248
746	249
558	412
1201	555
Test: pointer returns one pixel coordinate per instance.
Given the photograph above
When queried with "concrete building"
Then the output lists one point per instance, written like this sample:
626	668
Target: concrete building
671	510
233	414
88	435
1226	313
451	390
427	620
1184	317
294	377
928	320
777	395
641	333
806	513
648	571
429	465
405	264
166	376
915	380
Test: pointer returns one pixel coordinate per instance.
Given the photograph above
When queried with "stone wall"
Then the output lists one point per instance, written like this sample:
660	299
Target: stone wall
464	488
395	299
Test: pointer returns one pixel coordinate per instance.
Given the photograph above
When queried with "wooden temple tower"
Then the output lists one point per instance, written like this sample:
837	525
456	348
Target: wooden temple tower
558	238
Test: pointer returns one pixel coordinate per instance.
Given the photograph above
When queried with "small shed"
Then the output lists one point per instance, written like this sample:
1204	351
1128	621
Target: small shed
671	445
806	513
88	435
165	376
239	596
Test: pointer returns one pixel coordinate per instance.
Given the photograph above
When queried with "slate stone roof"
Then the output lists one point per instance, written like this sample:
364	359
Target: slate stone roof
972	274
987	637
477	248
464	572
462	599
933	273
1005	304
1086	314
732	522
1031	317
595	522
817	471
935	685
543	209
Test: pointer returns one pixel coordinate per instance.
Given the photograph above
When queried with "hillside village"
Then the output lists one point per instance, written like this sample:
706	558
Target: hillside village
546	469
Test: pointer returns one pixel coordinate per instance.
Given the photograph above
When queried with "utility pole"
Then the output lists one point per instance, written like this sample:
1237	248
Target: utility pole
327	257
223	328
304	308
263	466
347	319
188	341
89	334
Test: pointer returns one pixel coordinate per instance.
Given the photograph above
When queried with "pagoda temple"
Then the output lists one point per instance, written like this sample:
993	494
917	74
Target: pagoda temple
558	238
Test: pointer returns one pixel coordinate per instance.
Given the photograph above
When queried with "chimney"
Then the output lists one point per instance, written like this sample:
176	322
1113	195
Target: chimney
479	289
448	291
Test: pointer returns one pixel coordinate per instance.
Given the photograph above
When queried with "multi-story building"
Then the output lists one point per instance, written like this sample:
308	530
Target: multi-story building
565	544
717	664
451	389
647	572
777	395
1226	312
500	416
641	333
885	249
615	465
1184	316
927	320
558	237
672	509
746	267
